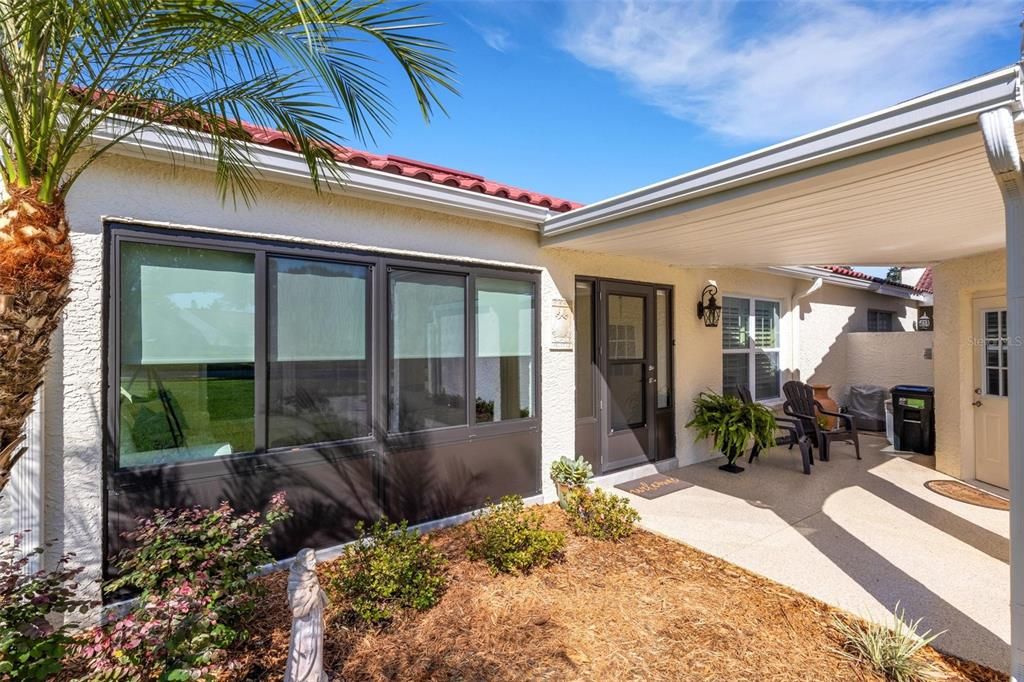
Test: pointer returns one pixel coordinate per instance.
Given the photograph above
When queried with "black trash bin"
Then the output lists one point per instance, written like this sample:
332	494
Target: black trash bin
913	418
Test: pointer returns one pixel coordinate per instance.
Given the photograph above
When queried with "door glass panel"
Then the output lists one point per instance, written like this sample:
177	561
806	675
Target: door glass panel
626	391
428	351
626	337
663	340
187	346
735	372
994	354
504	350
318	367
584	314
735	321
766	375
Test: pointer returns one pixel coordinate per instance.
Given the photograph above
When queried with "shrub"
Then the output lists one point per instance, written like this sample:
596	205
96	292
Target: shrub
192	569
387	569
510	538
215	550
166	637
31	647
893	652
600	515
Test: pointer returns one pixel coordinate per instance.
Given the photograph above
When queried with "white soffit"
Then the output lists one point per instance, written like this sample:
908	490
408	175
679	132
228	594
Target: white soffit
910	184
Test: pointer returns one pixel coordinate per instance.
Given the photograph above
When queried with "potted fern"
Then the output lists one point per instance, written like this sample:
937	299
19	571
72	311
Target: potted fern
733	424
569	474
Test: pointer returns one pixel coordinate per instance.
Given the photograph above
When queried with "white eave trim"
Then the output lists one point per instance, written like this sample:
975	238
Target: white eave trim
813	272
289	167
952	107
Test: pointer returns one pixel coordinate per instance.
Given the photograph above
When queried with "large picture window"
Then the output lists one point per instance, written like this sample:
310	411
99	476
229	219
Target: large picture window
751	347
187	365
231	347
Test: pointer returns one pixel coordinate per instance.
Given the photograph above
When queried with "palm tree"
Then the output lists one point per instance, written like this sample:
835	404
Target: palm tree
80	76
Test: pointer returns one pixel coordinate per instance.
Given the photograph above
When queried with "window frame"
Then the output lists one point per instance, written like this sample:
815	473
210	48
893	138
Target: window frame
892	320
752	349
378	323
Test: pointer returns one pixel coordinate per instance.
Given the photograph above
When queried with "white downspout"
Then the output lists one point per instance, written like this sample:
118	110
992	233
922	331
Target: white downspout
1004	157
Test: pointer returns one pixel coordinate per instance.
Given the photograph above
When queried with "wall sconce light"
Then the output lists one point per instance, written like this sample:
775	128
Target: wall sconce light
708	308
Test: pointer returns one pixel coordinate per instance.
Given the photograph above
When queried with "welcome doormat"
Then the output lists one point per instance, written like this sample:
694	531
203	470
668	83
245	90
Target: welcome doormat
655	485
969	494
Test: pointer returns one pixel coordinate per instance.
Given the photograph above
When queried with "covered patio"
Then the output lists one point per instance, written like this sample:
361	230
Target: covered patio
861	535
930	180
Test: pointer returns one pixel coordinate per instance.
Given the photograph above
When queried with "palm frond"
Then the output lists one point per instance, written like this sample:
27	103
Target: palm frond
72	68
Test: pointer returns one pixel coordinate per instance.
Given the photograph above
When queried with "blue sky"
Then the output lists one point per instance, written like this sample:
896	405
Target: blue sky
585	100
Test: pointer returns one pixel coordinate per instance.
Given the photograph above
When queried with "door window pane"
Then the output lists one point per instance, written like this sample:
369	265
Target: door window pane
994	354
626	392
318	366
428	351
187	341
625	327
766	375
735	321
584	313
504	350
663	342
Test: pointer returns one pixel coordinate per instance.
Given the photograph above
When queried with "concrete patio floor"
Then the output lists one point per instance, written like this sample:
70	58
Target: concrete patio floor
861	535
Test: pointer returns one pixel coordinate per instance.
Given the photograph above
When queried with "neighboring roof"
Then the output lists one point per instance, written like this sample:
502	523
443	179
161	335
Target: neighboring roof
418	170
925	283
847	272
845	277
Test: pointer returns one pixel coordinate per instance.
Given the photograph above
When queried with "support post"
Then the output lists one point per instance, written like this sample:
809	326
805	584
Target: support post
1001	147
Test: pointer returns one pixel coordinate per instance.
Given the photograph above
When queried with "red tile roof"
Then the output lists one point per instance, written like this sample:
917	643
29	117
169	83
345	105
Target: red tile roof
924	285
417	170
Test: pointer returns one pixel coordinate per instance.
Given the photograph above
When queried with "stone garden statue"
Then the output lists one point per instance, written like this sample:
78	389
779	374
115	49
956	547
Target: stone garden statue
307	601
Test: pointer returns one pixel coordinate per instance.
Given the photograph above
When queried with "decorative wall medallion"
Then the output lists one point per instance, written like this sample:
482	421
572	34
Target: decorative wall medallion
561	325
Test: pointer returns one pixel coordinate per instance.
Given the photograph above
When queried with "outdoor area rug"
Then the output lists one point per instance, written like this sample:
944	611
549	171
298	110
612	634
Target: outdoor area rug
655	485
969	494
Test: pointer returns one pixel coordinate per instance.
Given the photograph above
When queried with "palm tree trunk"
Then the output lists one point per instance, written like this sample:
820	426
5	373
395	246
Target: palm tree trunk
35	268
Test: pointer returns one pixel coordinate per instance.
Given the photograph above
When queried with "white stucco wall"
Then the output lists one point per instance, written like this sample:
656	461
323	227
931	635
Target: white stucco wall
889	358
957	283
826	317
154	193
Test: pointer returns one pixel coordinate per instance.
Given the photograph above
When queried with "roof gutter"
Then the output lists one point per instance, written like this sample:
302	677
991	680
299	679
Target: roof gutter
170	145
952	107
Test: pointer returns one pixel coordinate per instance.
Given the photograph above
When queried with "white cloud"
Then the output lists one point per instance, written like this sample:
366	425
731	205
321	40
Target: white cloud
495	38
803	66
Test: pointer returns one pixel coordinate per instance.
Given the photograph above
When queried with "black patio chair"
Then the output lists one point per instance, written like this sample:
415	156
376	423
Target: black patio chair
794	435
800	404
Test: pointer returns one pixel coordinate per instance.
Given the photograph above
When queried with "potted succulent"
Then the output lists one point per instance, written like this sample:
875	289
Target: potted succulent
733	424
569	474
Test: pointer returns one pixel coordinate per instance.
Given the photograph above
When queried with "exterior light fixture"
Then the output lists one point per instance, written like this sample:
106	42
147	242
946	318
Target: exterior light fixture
708	308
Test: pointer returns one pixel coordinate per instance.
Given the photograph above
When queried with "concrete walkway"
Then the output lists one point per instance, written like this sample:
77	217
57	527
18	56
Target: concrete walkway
861	535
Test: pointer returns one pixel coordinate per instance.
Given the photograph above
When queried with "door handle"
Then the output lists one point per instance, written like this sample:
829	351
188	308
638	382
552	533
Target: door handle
976	403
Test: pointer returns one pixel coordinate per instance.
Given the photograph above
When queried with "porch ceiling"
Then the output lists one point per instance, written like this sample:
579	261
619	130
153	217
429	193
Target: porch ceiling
908	185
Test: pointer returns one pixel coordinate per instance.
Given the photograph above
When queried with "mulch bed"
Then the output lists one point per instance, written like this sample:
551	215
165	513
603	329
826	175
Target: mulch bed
647	608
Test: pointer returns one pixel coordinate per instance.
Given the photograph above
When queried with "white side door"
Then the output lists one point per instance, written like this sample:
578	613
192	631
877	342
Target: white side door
991	402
